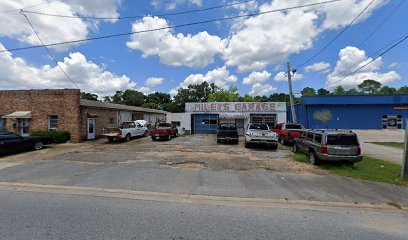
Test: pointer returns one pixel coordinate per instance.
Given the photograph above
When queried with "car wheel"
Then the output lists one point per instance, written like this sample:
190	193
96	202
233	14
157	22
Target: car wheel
110	139
236	141
128	137
295	148
38	146
169	137
313	159
145	133
282	140
274	147
176	134
247	144
153	138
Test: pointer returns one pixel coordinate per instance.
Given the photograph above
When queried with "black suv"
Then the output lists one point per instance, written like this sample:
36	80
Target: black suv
227	133
329	145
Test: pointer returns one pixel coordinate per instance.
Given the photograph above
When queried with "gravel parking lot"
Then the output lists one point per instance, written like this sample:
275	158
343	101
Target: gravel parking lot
189	152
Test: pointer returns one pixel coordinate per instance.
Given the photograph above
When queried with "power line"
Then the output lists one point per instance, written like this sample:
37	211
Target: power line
141	16
31	6
335	38
169	27
48	51
372	34
372	60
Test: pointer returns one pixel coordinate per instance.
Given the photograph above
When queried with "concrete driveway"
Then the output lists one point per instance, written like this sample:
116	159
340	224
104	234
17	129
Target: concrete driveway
391	154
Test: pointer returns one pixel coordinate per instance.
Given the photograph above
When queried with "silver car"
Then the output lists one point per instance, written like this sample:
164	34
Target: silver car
260	134
329	145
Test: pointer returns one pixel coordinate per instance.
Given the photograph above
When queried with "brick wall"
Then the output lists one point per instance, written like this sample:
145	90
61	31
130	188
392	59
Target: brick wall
101	116
42	103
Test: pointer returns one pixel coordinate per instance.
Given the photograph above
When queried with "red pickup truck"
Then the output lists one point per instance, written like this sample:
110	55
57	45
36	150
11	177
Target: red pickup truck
287	132
164	130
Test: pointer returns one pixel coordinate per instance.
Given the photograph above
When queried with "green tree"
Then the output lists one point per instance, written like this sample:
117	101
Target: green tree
308	91
387	90
150	105
158	98
133	98
324	116
403	90
323	92
89	96
107	99
193	93
352	91
117	98
230	95
339	90
248	98
369	86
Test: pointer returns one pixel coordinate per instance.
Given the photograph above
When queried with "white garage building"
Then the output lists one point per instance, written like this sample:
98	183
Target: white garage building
203	118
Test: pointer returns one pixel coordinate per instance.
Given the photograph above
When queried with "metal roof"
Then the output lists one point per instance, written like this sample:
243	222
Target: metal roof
98	104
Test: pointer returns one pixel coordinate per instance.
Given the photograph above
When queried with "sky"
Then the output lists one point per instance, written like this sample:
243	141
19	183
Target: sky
250	53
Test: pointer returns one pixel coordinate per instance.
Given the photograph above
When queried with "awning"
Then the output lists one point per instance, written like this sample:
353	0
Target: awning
21	114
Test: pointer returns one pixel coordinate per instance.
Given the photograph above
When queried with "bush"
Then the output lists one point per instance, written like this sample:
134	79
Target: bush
56	136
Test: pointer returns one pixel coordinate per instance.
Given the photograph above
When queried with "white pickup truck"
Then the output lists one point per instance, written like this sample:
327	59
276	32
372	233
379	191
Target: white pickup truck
128	130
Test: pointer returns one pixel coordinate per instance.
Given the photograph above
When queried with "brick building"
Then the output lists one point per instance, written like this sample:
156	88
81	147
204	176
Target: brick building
24	111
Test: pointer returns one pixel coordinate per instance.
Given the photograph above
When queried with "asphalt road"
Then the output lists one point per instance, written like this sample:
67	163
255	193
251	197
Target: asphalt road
58	216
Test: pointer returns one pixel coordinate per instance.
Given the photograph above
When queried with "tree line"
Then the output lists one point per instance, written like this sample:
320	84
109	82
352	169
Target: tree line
206	92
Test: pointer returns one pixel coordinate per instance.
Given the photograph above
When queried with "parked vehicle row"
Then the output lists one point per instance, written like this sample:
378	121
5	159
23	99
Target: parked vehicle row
320	145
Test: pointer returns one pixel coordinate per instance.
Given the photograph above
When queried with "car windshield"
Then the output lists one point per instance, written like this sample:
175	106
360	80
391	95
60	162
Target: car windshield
128	125
259	127
164	125
227	126
294	126
342	139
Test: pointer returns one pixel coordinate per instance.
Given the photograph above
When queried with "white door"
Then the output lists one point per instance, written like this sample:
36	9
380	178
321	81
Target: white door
240	126
24	126
91	128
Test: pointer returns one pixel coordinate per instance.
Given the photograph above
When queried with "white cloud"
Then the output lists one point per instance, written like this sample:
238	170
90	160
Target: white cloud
175	50
18	74
259	89
52	29
154	81
145	90
256	77
282	77
352	58
271	38
220	77
318	67
171	5
393	65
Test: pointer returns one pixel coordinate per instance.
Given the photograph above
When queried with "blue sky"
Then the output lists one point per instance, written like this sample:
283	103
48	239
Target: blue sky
230	53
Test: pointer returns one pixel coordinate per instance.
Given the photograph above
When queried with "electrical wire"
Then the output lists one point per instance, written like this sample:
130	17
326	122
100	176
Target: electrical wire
48	51
31	6
404	38
141	16
170	27
336	37
372	34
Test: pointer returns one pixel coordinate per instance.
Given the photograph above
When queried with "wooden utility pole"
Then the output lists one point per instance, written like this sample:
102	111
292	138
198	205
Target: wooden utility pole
404	170
292	104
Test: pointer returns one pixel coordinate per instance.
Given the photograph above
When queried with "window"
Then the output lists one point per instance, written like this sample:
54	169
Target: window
176	123
318	138
293	126
227	126
342	139
310	136
128	125
209	121
52	122
259	127
257	120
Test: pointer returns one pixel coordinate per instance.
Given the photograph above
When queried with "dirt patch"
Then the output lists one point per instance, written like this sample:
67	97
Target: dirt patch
187	165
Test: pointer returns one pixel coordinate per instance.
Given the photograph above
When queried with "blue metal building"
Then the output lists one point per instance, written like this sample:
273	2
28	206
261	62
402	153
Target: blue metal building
354	111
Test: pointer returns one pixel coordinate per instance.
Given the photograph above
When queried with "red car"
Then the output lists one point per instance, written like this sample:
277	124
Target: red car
287	132
165	131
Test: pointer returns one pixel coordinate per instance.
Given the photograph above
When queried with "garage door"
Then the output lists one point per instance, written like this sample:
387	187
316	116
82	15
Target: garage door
205	123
